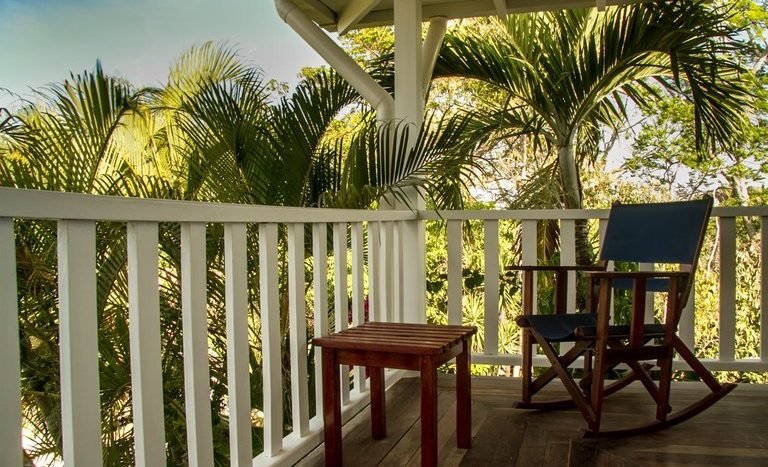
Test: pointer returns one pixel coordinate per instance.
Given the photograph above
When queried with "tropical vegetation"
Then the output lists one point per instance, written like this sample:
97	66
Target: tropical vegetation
541	97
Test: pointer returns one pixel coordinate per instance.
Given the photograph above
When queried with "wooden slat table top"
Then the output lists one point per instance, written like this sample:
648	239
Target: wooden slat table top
400	338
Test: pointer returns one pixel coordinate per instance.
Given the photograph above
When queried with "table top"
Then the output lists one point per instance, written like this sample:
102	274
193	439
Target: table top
401	338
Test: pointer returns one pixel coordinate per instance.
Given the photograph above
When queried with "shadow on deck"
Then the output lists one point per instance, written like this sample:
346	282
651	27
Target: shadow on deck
734	432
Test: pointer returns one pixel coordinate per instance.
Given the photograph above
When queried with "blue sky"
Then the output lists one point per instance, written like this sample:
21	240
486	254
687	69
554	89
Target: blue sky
41	41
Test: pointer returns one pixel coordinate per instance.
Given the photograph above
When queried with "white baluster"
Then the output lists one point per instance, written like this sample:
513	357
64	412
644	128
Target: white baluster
270	339
320	279
10	390
144	328
341	301
455	284
358	292
374	272
238	368
297	329
78	339
491	244
727	288
197	385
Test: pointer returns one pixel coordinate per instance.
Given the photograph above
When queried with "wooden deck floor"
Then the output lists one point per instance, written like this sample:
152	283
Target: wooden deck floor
734	432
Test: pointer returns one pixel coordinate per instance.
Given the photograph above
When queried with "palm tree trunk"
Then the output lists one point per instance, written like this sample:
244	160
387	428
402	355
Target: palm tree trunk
571	185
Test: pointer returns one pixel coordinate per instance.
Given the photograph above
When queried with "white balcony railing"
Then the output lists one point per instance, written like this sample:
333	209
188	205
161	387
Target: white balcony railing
375	273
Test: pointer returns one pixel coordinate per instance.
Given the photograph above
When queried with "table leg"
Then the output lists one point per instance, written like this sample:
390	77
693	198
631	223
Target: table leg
378	409
331	408
463	399
428	412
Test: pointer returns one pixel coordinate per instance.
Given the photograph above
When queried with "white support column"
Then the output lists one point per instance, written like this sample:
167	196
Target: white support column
409	110
358	312
238	368
78	339
727	288
455	285
270	339
320	279
340	298
10	367
491	247
194	311
297	329
144	329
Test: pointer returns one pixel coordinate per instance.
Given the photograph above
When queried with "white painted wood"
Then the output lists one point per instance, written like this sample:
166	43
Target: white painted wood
568	257
491	254
78	340
529	244
194	308
430	50
650	296
603	225
340	298
409	111
358	292
409	101
386	266
10	367
727	288
238	368
375	309
352	13
38	204
455	284
270	339
397	272
320	284
144	329
297	312
764	288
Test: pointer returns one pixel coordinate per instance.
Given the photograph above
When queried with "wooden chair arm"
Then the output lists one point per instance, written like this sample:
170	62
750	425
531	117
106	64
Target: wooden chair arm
553	268
635	274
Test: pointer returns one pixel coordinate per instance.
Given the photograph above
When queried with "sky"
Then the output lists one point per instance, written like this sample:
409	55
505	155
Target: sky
41	41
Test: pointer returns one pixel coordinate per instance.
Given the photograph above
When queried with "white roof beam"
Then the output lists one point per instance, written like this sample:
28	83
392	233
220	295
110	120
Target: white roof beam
431	48
352	13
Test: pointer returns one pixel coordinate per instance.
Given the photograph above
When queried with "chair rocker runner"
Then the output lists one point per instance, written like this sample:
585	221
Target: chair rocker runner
661	234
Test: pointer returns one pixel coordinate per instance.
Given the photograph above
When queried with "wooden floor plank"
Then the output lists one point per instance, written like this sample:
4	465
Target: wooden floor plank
731	433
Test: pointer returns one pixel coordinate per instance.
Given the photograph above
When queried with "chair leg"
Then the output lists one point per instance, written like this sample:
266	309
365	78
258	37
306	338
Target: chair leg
527	369
597	386
665	380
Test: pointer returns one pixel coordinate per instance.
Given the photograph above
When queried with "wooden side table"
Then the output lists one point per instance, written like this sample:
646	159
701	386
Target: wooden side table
421	347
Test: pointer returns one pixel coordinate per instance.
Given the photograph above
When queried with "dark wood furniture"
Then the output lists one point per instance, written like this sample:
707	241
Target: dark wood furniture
670	234
376	346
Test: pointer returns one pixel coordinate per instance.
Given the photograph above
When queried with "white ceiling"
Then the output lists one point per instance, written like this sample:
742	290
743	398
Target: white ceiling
343	15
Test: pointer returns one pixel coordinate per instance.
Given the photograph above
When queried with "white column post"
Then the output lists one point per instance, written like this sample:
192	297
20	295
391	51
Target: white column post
409	110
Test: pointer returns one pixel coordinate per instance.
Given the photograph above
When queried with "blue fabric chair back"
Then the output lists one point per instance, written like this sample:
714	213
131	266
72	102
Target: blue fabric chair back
656	232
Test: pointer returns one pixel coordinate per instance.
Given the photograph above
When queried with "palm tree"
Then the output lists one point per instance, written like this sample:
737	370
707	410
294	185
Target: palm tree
211	134
562	76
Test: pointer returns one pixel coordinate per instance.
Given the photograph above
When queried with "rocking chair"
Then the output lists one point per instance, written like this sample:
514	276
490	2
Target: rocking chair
661	234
